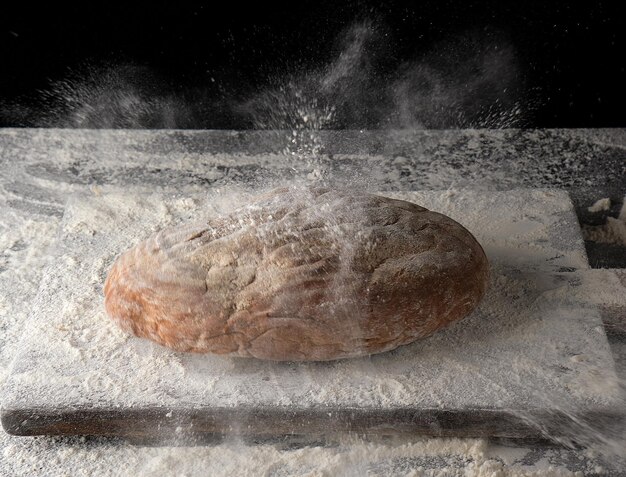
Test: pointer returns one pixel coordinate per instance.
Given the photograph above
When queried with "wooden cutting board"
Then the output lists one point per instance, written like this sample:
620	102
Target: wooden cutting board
533	359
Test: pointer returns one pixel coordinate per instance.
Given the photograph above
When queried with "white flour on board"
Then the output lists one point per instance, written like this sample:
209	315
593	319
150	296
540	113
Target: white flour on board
518	329
351	458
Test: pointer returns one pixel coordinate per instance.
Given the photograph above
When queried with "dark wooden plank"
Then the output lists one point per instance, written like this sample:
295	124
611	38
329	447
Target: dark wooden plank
165	425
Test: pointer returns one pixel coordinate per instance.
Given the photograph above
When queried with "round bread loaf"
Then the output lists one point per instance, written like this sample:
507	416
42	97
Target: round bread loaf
300	274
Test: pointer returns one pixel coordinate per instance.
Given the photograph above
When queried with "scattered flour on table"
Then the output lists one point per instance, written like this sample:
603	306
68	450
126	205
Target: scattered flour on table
23	255
350	457
44	162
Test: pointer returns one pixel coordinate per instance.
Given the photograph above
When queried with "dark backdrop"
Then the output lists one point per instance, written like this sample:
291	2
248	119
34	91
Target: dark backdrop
568	56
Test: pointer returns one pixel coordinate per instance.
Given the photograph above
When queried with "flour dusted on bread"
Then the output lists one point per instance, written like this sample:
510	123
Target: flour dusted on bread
300	275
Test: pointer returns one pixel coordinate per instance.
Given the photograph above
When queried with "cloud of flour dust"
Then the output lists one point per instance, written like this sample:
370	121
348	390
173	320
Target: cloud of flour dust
472	80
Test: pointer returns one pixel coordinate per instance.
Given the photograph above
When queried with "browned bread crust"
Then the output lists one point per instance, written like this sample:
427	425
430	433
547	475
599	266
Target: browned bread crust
300	274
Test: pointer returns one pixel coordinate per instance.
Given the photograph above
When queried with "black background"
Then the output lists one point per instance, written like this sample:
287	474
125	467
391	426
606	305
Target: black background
570	54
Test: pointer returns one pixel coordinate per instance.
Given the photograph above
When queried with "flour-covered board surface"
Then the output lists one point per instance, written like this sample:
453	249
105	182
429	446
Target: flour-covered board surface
531	349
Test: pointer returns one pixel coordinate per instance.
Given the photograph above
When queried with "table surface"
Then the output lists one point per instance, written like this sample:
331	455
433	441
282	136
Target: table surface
40	168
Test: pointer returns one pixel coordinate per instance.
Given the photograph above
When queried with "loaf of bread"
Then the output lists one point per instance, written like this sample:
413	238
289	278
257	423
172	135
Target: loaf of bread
300	274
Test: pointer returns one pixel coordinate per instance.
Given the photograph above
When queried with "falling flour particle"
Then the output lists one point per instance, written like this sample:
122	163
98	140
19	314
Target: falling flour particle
600	205
613	231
